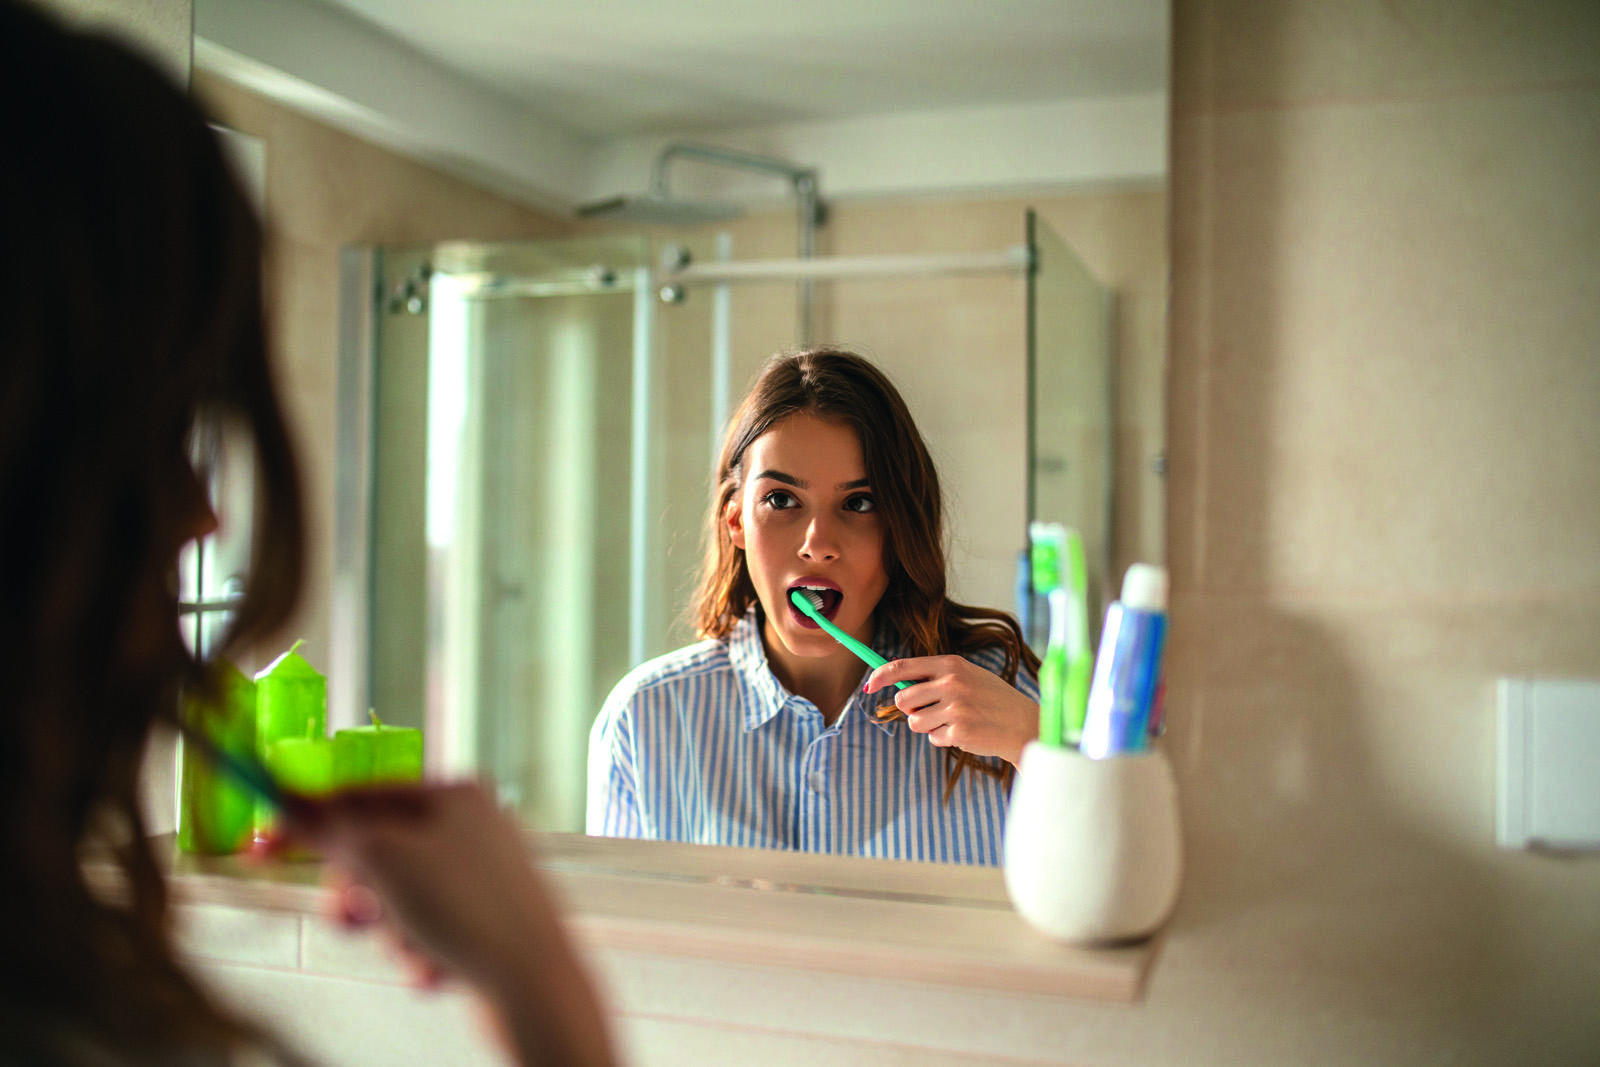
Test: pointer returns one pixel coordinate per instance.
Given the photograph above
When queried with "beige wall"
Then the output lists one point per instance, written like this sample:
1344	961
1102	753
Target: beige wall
1385	493
162	29
326	189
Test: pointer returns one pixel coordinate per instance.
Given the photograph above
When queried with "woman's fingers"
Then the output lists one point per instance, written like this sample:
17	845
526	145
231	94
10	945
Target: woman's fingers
959	704
357	905
911	671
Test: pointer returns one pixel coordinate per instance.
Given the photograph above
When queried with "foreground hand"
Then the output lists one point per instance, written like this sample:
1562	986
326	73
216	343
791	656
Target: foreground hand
958	703
450	878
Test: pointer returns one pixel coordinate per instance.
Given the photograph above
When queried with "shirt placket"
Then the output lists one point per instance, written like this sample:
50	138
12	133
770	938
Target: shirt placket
816	797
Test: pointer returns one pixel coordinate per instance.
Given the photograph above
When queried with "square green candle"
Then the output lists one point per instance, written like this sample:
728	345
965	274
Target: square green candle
376	754
289	694
215	814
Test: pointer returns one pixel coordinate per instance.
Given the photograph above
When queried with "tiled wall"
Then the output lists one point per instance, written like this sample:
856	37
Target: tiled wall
1385	492
334	996
326	189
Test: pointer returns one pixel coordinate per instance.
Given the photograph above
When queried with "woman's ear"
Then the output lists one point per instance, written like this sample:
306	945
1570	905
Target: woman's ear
733	520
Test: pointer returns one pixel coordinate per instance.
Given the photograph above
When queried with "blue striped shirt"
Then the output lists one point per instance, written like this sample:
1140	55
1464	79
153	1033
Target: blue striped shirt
705	745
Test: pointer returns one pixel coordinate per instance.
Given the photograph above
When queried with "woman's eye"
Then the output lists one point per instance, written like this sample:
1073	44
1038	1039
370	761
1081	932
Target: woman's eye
779	500
861	504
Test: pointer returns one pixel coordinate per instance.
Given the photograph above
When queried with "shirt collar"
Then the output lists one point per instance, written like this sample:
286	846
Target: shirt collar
767	696
749	658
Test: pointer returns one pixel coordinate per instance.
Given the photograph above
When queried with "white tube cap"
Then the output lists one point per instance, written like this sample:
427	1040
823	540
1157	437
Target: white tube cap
1144	587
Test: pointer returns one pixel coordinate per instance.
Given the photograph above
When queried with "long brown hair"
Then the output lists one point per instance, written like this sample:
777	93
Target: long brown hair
842	386
133	313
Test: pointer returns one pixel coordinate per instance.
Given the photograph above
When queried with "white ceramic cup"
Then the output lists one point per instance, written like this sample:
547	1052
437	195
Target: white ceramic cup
1093	848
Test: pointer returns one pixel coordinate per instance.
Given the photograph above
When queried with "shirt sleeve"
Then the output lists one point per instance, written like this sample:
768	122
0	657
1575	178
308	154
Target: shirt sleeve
613	807
1027	684
992	659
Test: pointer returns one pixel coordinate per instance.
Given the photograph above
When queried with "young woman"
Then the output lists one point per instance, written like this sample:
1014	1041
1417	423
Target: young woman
764	734
130	264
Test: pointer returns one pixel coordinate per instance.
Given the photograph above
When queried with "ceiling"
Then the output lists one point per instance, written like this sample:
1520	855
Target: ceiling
560	103
612	68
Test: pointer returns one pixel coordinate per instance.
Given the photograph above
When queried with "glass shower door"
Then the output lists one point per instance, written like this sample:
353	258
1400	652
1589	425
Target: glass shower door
506	551
1069	408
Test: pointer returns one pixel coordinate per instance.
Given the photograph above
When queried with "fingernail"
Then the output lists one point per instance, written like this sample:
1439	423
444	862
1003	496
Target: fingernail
362	905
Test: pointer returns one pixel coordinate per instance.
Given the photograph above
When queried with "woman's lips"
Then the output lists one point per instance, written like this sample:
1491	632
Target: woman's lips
832	597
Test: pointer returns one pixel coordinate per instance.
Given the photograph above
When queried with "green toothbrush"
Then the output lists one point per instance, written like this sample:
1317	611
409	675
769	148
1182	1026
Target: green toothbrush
802	600
1060	574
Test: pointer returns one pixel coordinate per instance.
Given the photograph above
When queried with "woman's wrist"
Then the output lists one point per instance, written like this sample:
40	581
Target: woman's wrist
546	1011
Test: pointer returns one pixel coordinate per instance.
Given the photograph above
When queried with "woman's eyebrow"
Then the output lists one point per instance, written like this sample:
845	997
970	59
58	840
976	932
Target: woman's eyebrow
787	479
800	483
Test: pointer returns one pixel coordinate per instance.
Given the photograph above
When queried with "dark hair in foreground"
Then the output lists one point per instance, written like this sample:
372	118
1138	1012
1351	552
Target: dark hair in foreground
841	386
130	269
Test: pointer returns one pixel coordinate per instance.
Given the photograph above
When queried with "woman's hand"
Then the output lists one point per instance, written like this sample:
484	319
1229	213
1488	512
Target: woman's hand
958	703
450	878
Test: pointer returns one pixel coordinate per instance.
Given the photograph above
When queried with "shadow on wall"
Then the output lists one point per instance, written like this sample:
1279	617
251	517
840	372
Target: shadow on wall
1307	895
1319	921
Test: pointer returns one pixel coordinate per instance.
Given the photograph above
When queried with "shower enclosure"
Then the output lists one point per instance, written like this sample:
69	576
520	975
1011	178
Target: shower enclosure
526	434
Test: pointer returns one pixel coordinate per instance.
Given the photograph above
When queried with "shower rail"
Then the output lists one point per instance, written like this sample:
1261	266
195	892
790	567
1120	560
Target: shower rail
1015	260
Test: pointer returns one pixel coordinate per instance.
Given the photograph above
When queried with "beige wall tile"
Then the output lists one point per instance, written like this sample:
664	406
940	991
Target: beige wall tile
237	935
1381	332
1383	397
666	1042
337	1021
362	955
1247	53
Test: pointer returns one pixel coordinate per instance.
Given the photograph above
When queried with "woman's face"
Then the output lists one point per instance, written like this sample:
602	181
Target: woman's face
806	516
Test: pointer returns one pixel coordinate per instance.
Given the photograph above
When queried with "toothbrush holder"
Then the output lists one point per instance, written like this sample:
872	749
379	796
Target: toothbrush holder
1093	848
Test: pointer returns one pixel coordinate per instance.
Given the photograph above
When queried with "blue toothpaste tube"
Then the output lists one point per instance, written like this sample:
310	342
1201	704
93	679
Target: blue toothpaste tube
1128	666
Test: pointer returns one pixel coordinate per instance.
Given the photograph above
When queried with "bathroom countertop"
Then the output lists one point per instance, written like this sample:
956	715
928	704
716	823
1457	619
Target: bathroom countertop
939	924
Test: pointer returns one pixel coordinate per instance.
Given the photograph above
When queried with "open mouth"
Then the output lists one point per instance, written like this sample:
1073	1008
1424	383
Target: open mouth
826	597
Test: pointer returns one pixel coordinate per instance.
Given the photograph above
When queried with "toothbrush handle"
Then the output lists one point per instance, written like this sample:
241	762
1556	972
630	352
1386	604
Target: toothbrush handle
863	653
244	768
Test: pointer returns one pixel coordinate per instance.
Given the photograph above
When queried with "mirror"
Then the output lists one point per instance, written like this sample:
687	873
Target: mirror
517	568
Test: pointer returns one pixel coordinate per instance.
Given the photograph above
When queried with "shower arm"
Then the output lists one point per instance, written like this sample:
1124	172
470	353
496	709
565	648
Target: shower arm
802	179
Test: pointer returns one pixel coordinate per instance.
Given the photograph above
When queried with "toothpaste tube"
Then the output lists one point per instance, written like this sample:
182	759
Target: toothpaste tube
1128	667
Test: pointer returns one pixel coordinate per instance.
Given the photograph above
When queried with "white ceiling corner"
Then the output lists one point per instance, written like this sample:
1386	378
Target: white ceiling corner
556	104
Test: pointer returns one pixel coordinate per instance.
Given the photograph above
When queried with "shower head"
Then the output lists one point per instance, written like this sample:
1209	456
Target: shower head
653	210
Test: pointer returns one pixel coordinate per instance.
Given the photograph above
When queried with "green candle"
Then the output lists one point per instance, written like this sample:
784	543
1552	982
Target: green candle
378	753
215	814
289	694
301	765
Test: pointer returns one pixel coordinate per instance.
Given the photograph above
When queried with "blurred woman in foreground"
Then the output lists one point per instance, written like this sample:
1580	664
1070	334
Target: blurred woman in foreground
132	329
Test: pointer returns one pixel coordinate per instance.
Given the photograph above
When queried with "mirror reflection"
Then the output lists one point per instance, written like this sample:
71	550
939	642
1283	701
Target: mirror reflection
543	430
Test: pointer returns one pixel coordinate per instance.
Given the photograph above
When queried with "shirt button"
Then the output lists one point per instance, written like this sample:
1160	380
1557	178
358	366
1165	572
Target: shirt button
818	782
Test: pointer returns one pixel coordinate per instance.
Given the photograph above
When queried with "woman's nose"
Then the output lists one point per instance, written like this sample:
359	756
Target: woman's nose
821	542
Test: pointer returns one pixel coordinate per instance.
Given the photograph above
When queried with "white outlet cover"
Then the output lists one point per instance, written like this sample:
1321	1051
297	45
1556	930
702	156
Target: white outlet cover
1549	764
